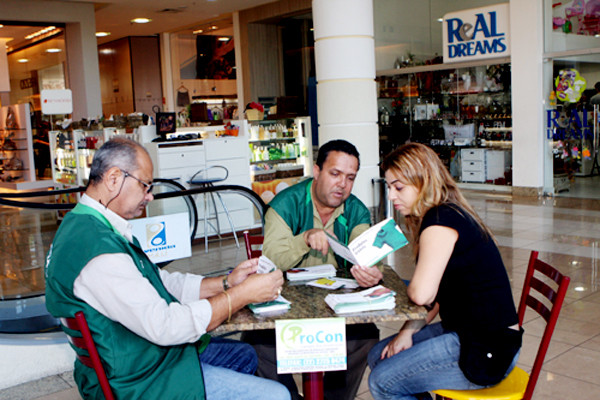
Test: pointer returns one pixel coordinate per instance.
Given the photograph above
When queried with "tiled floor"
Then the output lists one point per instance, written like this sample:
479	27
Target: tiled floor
564	230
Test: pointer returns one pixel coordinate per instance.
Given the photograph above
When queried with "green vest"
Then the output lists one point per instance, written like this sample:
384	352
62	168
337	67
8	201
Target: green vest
135	367
294	205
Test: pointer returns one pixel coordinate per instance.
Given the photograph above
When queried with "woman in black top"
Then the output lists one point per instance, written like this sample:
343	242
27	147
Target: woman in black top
459	273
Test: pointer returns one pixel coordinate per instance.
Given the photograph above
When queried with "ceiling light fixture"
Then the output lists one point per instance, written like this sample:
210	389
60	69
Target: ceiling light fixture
214	27
198	31
40	32
440	20
224	39
53	50
22	60
102	34
140	20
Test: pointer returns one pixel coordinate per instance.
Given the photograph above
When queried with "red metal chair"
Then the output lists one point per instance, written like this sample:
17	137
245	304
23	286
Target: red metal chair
518	385
253	241
86	343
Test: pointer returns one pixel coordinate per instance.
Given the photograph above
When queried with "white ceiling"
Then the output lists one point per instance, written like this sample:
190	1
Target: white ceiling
167	15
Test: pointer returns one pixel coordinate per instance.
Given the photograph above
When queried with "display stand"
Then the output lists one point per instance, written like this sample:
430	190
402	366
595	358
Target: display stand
17	167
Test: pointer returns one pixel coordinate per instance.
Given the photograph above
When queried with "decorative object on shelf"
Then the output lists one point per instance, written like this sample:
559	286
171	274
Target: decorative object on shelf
569	85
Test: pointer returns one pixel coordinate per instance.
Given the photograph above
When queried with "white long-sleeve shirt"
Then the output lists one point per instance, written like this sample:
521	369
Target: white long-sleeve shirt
112	284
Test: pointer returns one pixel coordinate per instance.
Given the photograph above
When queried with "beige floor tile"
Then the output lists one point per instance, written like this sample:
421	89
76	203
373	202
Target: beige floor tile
530	348
592	344
553	386
69	394
579	363
582	311
568	331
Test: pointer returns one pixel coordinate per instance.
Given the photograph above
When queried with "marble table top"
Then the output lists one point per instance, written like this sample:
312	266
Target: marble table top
308	302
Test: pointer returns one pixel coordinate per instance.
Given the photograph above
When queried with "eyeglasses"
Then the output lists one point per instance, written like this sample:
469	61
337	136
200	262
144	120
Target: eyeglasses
147	186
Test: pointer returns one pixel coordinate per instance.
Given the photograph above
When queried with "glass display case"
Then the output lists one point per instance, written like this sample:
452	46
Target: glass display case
72	153
280	154
17	166
450	109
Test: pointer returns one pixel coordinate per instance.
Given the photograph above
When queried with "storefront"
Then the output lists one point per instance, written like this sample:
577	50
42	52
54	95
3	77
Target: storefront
500	121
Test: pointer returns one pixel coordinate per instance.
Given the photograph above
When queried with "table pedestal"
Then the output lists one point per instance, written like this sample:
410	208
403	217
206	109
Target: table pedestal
312	385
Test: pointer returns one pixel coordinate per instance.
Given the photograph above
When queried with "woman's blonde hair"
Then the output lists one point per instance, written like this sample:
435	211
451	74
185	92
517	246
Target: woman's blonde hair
418	165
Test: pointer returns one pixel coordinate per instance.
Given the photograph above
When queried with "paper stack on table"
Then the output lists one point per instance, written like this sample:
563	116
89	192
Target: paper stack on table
266	266
310	273
279	304
375	298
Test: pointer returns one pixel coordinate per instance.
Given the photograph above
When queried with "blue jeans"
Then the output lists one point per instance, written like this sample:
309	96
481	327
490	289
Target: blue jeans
228	367
430	364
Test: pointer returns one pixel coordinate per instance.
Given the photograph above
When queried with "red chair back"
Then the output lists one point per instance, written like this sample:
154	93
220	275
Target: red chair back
86	342
552	285
251	242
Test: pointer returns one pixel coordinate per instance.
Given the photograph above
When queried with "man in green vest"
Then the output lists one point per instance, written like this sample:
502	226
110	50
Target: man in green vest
295	226
149	325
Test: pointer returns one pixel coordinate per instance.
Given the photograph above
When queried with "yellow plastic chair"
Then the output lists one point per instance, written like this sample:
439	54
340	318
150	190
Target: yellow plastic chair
518	385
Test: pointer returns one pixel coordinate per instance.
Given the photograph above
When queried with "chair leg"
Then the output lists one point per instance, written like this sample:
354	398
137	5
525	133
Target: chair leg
237	243
212	198
205	223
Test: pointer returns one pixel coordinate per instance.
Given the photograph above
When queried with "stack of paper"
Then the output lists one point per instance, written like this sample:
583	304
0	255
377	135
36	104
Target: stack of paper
375	298
279	304
310	273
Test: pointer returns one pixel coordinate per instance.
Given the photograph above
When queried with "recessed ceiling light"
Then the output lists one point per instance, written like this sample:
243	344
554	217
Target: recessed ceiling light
198	31
53	50
102	34
440	20
140	20
106	51
224	39
22	60
214	27
579	289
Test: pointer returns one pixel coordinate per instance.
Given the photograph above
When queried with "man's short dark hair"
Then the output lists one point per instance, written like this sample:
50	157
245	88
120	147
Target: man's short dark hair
597	86
336	145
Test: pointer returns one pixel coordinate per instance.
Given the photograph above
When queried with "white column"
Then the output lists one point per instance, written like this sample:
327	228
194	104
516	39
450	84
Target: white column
527	49
346	87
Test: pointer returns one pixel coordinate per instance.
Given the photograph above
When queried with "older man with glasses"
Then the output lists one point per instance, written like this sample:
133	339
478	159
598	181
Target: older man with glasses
149	325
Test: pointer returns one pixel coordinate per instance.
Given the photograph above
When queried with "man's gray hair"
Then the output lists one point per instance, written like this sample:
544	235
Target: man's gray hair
117	152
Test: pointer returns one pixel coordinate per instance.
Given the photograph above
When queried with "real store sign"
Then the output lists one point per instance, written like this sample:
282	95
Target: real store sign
476	34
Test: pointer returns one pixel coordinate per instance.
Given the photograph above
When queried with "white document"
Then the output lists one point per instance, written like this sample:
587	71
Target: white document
333	283
372	245
375	298
265	265
268	307
310	273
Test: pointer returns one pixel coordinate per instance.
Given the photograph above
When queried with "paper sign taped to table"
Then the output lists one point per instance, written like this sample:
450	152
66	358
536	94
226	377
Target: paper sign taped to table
310	345
164	238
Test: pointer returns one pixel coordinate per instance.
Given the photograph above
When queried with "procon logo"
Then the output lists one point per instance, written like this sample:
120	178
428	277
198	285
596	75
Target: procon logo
292	335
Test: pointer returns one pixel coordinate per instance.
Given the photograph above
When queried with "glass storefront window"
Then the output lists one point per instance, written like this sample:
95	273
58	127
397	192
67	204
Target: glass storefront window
35	68
452	110
204	73
571	25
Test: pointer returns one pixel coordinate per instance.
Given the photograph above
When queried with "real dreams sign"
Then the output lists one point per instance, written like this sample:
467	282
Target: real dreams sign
476	34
